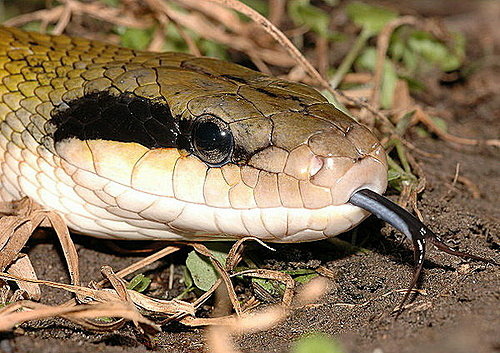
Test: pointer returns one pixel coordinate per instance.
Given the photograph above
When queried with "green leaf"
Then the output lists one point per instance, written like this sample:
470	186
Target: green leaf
370	18
397	46
188	280
316	343
35	26
139	283
302	275
112	3
274	288
261	6
410	60
336	103
421	132
219	250
414	84
213	49
367	61
104	319
299	272
135	281
136	38
458	46
393	175
141	287
305	278
174	41
303	13
202	271
388	88
440	123
430	49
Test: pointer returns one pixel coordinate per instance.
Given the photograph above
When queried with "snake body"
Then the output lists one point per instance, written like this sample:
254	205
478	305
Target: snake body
138	145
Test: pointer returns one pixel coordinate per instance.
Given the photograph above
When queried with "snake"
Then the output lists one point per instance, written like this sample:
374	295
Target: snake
136	145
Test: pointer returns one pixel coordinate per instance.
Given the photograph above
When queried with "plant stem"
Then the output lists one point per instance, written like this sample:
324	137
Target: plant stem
346	64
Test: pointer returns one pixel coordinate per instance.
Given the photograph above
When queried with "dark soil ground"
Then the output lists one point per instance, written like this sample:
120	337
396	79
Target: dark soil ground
460	311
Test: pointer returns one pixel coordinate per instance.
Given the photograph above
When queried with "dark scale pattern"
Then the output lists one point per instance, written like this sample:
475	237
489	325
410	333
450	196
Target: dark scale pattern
124	118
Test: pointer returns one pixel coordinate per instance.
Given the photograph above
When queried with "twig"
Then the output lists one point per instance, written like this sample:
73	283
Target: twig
457	173
143	262
163	14
64	19
415	149
382	45
94	9
220	14
276	34
431	125
48	15
197	23
322	54
346	63
158	40
276	11
469	184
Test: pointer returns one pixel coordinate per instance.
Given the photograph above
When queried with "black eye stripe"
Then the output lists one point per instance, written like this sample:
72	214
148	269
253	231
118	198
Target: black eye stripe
123	118
129	118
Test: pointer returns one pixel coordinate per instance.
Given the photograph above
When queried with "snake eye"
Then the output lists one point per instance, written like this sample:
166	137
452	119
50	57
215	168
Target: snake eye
212	140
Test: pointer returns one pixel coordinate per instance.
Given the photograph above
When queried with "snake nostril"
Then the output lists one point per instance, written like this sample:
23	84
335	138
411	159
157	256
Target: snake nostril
362	156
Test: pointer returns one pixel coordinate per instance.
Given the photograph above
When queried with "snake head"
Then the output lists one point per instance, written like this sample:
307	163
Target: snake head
198	148
294	159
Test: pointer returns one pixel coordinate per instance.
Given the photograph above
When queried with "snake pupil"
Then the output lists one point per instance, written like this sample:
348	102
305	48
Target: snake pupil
212	141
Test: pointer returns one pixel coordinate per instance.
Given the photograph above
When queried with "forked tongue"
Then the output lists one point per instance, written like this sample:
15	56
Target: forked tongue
409	225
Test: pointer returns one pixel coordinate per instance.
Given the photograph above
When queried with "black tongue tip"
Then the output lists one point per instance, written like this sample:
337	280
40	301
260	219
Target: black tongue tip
411	227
